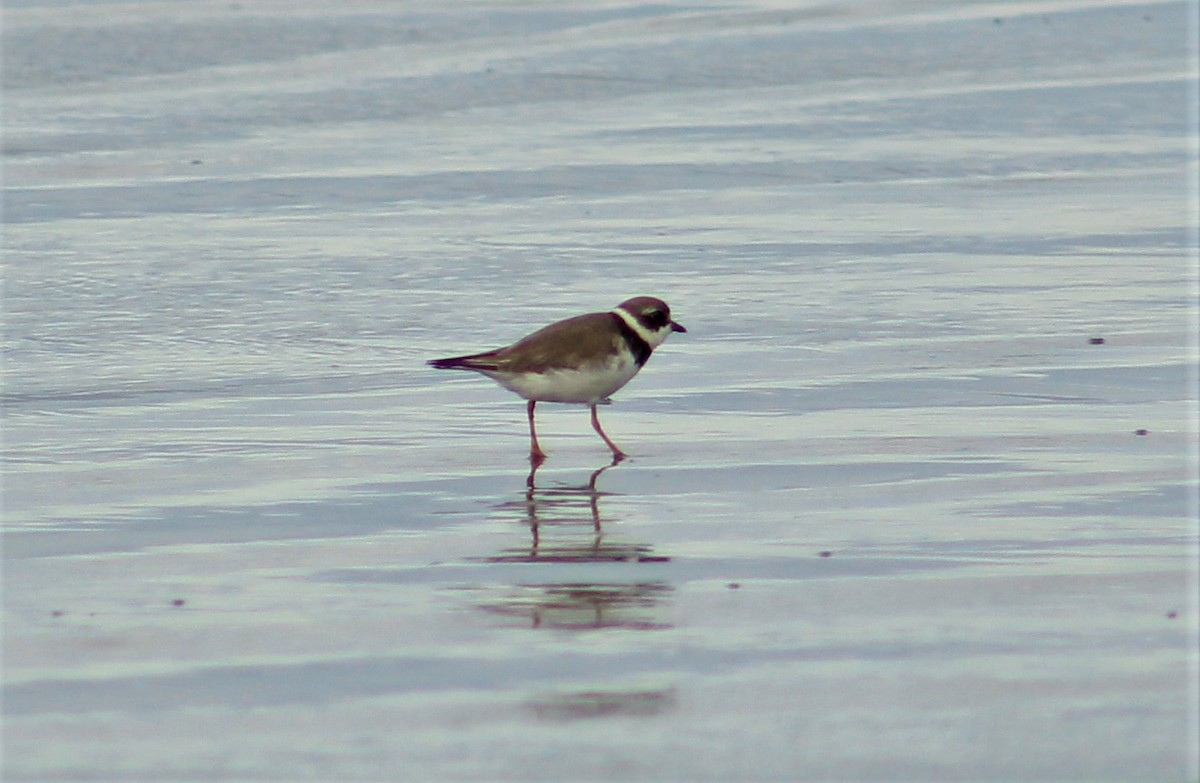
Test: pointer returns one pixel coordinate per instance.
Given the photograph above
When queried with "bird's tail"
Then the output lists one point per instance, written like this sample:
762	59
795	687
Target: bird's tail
479	361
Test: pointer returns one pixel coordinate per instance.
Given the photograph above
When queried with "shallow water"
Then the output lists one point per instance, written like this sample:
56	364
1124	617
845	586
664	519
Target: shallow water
887	515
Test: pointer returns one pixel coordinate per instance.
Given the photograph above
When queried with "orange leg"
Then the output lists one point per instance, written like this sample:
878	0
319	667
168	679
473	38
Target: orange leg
617	453
536	455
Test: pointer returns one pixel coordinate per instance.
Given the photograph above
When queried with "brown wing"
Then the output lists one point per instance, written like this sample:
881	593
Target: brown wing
574	342
577	341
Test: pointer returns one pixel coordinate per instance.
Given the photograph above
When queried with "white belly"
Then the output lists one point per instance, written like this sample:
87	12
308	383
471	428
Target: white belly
589	385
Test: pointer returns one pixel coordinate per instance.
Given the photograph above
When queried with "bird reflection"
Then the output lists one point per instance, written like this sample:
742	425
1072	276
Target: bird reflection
584	607
567	529
575	705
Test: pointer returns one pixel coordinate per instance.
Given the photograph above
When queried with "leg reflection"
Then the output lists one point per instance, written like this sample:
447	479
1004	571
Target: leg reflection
559	499
565	509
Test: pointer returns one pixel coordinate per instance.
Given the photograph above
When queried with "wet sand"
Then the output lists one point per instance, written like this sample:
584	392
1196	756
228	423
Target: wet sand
914	498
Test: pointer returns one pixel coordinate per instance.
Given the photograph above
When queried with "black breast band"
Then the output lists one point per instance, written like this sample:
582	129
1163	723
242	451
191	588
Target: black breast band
641	349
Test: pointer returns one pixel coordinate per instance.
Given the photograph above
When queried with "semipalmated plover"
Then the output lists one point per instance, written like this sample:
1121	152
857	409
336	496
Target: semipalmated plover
579	360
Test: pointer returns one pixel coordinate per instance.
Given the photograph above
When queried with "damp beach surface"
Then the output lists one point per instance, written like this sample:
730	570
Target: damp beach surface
913	499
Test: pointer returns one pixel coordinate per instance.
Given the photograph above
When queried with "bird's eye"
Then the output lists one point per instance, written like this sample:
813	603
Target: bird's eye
656	318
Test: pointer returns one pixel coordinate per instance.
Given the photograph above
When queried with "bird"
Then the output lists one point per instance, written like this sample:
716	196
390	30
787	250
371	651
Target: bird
584	359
